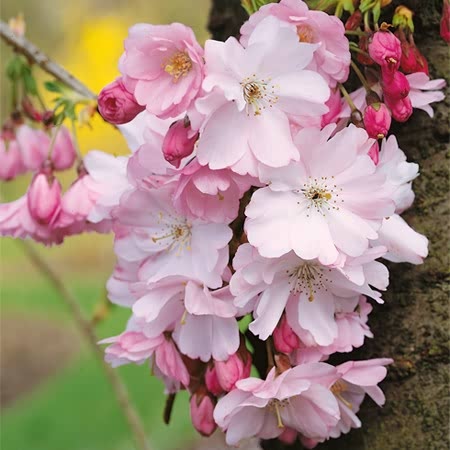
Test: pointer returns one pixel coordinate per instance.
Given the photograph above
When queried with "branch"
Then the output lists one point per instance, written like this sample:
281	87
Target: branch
36	56
85	327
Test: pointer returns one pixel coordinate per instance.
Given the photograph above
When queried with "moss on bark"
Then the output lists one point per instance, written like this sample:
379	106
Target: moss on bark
412	327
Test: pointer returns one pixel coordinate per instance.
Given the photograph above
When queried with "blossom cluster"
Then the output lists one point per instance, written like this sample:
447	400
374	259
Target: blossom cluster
251	196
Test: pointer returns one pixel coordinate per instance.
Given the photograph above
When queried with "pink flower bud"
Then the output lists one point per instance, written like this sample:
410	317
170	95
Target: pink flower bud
334	105
63	153
385	49
10	160
202	407
116	104
374	152
34	145
235	368
445	21
288	436
395	86
44	198
401	109
284	339
212	382
179	142
170	362
377	120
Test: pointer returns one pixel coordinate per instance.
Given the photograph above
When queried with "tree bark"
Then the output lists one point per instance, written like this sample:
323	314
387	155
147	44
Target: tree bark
412	326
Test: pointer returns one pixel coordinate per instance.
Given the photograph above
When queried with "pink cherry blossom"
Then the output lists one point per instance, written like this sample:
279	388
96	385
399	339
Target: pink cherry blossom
377	120
307	289
402	242
333	201
179	142
168	243
332	58
211	195
357	378
63	154
298	399
399	173
235	368
262	86
284	338
425	91
34	146
11	164
385	49
163	67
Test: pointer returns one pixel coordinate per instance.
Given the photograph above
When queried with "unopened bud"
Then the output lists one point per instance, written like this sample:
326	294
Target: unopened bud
179	142
403	17
445	21
44	198
63	154
395	86
401	109
211	381
284	338
117	105
385	50
202	407
377	120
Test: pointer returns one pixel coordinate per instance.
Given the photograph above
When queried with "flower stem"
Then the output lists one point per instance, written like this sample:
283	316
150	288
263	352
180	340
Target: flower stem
360	75
87	330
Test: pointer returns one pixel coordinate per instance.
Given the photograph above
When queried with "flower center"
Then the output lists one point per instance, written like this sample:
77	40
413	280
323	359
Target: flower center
305	33
307	278
321	193
178	65
275	405
338	389
174	235
258	95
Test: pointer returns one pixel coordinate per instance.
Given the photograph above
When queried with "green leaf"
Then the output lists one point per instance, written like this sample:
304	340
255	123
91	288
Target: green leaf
53	86
251	6
29	81
14	68
376	12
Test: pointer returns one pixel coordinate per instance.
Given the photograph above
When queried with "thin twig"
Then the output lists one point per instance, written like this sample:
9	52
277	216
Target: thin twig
35	55
120	390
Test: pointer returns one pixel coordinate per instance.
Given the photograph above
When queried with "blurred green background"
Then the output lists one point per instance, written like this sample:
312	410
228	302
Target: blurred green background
53	392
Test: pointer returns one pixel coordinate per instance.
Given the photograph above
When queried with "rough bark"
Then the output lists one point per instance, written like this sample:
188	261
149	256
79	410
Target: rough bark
412	327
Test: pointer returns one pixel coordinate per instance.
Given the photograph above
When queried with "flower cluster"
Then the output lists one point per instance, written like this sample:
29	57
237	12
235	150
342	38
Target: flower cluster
251	196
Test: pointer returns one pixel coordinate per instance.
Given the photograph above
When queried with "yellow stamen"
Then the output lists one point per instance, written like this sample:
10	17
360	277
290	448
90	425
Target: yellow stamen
277	412
178	65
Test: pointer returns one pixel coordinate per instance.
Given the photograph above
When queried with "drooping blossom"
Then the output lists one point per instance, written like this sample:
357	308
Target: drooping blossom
332	57
299	398
211	195
202	407
34	146
385	49
179	142
11	164
333	201
425	91
308	290
262	85
168	243
377	120
163	67
63	153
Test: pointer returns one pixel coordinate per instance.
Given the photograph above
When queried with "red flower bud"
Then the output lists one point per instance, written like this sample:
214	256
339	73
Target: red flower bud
202	408
377	120
354	21
44	198
401	109
232	370
116	104
179	142
212	382
374	152
395	86
385	49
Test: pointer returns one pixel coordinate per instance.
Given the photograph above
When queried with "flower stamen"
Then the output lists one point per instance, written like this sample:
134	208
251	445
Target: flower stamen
178	65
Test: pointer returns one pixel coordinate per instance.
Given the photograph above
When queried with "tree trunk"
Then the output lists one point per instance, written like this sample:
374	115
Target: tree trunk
412	326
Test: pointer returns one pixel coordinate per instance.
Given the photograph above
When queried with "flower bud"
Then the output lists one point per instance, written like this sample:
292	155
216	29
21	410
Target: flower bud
363	44
401	109
354	21
212	382
44	198
63	154
412	60
374	153
202	407
116	104
385	49
377	120
395	86
445	21
235	368
284	338
34	145
30	111
10	160
403	17
288	436
179	142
